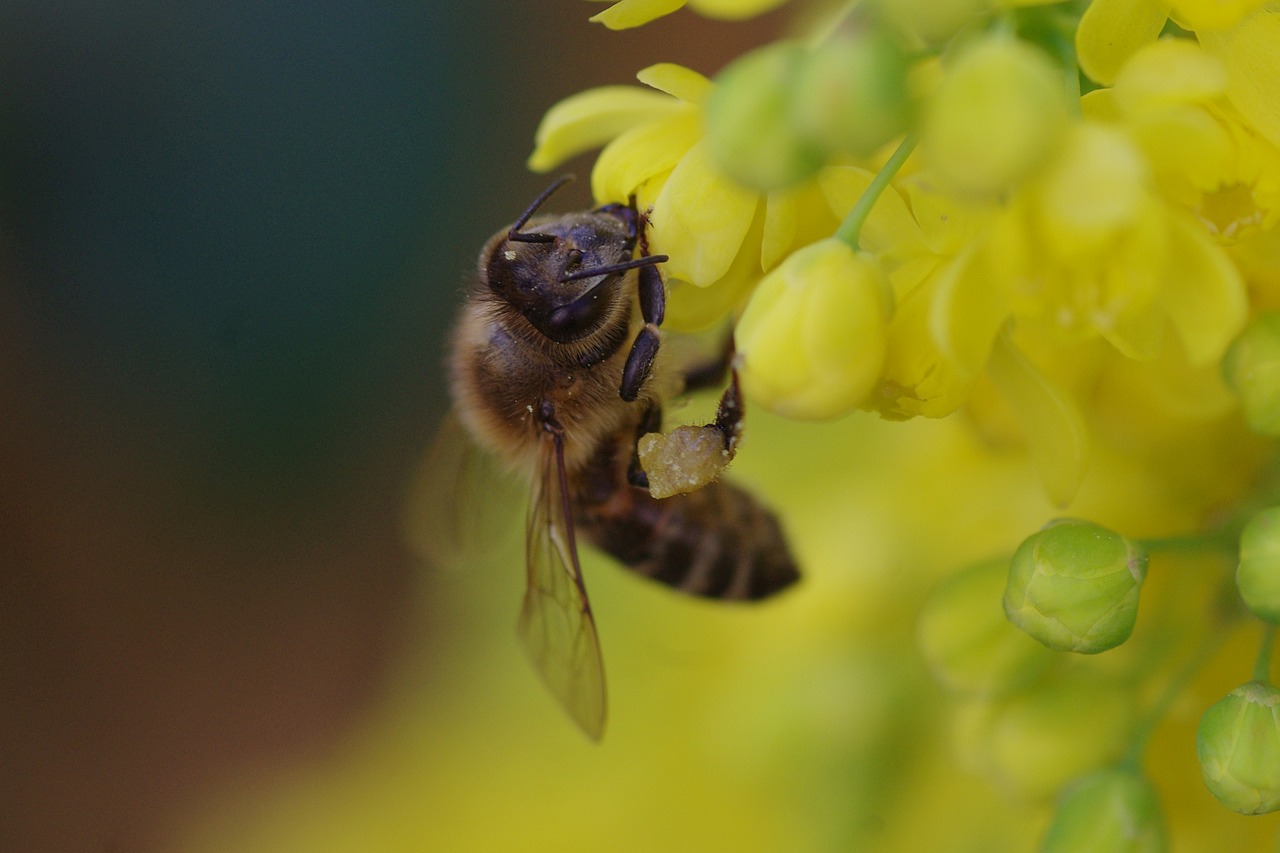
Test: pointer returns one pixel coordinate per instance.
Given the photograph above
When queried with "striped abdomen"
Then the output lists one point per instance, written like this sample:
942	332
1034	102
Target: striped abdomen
718	542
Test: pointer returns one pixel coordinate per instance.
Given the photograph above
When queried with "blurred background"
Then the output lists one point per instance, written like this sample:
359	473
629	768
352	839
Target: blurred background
232	235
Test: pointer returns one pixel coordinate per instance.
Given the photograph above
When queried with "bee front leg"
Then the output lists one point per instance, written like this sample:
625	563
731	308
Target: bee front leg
653	305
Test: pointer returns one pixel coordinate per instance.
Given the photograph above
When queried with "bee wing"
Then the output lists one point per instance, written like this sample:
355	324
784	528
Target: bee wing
462	507
556	625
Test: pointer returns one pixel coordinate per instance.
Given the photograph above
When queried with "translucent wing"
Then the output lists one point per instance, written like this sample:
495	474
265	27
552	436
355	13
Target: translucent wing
462	508
555	622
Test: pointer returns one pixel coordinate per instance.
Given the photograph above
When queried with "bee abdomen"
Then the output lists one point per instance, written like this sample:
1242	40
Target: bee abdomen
717	542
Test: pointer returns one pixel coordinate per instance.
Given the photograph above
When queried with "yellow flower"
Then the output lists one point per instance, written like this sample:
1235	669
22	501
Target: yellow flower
633	13
1084	251
1171	96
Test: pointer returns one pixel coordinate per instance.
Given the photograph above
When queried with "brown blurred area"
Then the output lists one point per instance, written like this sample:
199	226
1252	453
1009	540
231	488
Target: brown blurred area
225	275
148	649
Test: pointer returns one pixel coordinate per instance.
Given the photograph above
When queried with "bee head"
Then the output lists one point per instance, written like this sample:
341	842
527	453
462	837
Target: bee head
564	273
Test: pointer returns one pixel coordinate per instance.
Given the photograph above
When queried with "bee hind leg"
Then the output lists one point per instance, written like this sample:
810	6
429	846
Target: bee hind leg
729	415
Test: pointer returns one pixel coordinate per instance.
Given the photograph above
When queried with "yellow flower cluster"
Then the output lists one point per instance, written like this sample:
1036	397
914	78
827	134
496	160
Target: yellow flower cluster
1032	239
1060	221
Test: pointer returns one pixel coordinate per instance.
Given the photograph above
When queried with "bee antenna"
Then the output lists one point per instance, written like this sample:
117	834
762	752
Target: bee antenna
533	236
643	261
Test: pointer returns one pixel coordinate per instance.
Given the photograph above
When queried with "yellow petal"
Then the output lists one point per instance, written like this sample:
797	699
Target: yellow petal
779	227
1100	106
1200	16
692	309
1096	187
1250	51
642	152
1137	335
700	219
1168	72
1053	427
945	224
917	379
632	13
1111	31
1203	293
1189	152
589	119
677	81
968	309
733	10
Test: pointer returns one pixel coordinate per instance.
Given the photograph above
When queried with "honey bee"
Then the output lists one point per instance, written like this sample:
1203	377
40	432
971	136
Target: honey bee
542	377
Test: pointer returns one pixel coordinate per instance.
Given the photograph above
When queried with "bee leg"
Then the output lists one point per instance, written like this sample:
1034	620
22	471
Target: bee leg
729	414
651	422
653	304
712	372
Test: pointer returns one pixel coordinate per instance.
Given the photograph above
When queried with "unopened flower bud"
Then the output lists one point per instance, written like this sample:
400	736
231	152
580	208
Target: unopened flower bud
1108	811
995	117
1252	369
812	339
851	93
1074	586
750	123
1258	576
967	641
1238	745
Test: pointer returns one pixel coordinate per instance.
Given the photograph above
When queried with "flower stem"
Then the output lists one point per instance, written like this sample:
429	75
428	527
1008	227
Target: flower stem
1191	543
1262	667
851	229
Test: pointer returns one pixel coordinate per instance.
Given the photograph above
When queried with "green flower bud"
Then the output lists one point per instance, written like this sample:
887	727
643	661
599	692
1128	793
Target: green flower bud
968	642
1110	811
1238	745
750	124
851	93
1252	368
995	117
1258	575
1074	586
1033	742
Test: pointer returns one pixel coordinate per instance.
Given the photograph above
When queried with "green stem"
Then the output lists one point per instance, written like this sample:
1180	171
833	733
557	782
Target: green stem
1262	667
1190	543
851	229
